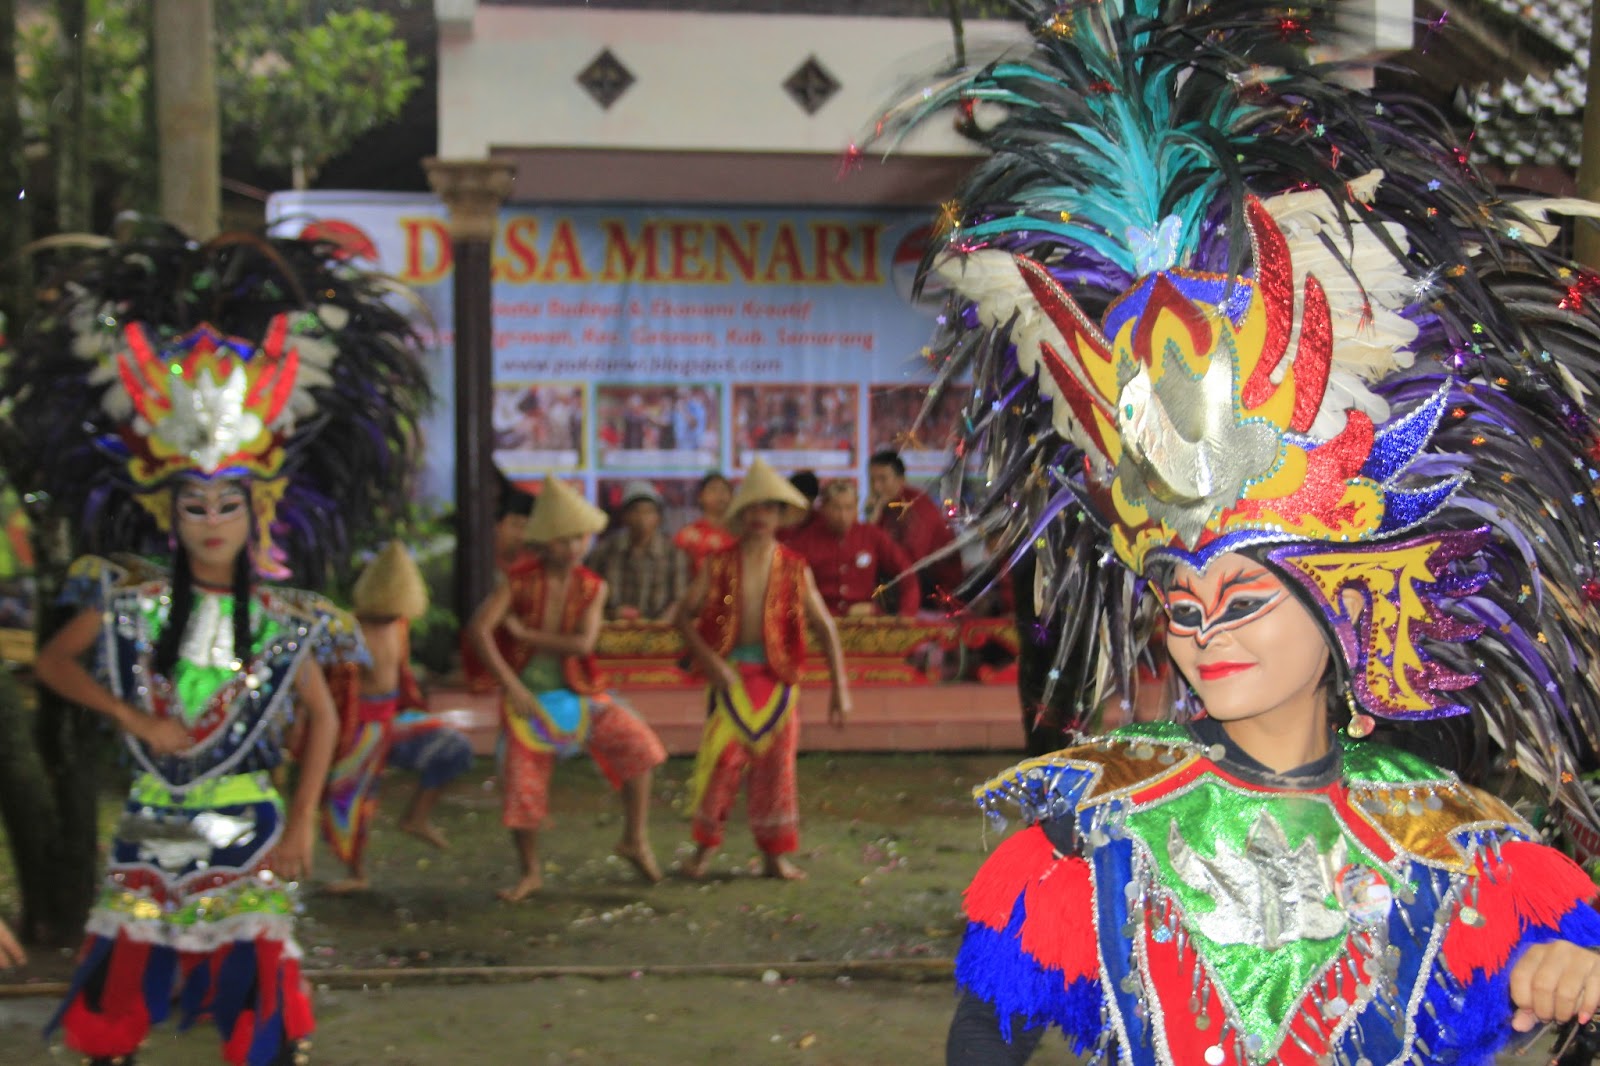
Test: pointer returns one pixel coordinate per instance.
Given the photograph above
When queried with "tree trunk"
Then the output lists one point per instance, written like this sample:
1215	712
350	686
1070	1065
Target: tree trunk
16	285
74	201
188	129
958	32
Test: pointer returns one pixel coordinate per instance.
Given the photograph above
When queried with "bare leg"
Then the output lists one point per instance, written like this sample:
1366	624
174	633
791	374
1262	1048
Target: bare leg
635	843
697	866
780	867
527	844
415	820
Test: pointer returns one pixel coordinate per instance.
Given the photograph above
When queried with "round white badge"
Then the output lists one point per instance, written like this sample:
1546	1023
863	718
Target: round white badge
1364	894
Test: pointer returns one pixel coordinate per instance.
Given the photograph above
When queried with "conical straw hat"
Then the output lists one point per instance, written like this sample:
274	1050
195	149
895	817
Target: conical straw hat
391	586
762	484
561	512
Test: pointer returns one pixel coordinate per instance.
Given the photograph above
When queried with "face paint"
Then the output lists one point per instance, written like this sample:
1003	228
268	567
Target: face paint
1247	646
1238	599
213	523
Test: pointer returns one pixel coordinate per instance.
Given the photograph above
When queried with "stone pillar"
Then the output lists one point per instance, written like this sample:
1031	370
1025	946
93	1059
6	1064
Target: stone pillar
473	190
188	130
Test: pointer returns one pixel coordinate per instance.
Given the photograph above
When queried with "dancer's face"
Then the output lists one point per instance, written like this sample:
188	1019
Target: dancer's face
567	551
212	522
759	518
1243	641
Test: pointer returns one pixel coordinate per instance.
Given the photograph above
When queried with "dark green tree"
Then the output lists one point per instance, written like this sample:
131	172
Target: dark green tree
298	90
299	80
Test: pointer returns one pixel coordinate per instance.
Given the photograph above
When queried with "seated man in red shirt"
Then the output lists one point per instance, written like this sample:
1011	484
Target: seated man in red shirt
852	560
917	525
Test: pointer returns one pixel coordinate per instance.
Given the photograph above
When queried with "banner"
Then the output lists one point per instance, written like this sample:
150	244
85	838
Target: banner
666	342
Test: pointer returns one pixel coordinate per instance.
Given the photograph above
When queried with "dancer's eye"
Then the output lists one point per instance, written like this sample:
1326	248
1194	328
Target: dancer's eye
1186	617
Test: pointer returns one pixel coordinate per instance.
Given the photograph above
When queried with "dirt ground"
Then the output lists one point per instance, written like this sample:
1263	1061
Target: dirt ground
889	842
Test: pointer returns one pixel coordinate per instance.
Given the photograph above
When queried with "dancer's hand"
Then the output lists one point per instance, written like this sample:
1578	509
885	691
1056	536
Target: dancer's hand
724	676
163	736
11	953
291	859
1555	982
839	707
518	630
522	701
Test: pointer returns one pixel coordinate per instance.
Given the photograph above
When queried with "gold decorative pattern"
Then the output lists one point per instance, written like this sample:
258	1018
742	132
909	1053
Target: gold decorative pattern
1429	835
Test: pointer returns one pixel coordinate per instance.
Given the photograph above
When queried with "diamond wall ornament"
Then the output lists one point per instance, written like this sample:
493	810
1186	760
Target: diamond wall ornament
605	78
811	85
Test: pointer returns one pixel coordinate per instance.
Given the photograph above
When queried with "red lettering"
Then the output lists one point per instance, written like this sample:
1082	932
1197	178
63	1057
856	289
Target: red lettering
429	256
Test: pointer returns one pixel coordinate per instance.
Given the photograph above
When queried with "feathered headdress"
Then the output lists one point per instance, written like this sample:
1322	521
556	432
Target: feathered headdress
1211	298
270	361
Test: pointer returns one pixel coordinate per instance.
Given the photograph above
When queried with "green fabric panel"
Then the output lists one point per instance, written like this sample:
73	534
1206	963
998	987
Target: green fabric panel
543	674
1215	822
230	791
195	685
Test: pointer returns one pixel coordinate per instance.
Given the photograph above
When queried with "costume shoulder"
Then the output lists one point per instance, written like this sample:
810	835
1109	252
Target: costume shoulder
525	563
1030	947
334	632
1118	764
93	579
1425	812
588	582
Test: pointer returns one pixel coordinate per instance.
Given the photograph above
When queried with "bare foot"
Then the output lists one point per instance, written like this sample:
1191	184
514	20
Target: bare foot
780	867
695	868
428	832
347	886
530	883
642	858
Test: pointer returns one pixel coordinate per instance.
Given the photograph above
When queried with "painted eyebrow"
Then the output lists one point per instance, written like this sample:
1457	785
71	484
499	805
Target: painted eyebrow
1242	578
1237	582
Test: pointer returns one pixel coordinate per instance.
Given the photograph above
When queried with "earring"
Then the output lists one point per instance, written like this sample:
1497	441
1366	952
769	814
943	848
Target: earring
1361	724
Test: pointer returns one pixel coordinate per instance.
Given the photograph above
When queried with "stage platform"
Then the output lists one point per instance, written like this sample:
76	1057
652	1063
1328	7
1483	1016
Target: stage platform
947	717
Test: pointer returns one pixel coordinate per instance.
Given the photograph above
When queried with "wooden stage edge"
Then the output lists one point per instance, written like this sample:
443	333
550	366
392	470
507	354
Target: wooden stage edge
947	717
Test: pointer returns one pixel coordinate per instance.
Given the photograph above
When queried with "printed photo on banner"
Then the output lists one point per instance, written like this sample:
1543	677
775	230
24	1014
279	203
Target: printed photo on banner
678	507
891	412
796	426
532	484
538	427
666	427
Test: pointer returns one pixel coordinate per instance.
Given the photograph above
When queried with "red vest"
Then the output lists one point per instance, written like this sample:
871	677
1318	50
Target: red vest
783	622
528	582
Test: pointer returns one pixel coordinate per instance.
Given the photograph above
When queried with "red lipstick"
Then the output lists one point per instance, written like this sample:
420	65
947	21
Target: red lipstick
1212	671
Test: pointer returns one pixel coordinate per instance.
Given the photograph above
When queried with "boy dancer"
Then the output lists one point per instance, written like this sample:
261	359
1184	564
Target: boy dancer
383	721
743	621
555	700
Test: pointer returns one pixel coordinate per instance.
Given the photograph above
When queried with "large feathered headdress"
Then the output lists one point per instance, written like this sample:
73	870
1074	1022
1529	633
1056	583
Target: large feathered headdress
269	361
1212	298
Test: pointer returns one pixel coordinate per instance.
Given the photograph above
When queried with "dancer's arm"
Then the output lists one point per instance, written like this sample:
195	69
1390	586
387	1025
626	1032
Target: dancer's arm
11	953
291	859
685	616
59	666
839	706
